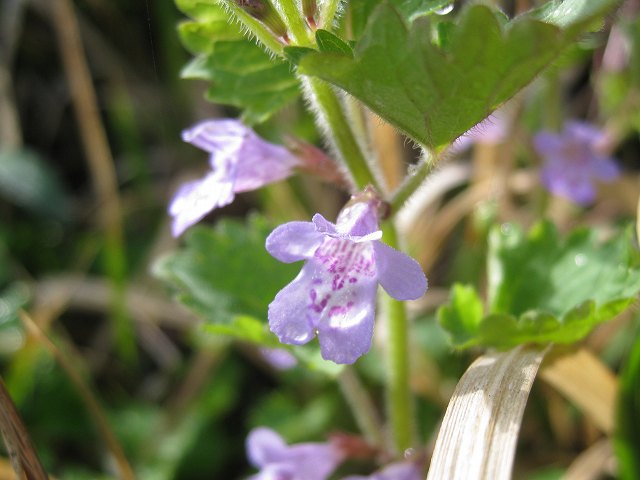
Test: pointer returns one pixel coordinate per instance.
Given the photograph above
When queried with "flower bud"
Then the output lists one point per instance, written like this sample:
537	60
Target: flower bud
309	9
263	11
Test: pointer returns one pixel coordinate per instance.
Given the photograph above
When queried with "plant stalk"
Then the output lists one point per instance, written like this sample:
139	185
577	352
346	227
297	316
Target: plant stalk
413	181
400	410
296	26
328	13
339	133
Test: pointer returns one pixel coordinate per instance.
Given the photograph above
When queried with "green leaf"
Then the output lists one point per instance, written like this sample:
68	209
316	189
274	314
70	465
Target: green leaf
627	437
462	315
199	9
548	273
412	9
573	15
28	181
198	37
434	94
247	329
409	9
543	288
12	298
294	54
330	43
245	76
241	73
226	276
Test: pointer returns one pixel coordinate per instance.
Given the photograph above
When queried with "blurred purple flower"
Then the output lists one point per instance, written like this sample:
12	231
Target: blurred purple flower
279	358
240	161
572	161
335	293
278	461
394	471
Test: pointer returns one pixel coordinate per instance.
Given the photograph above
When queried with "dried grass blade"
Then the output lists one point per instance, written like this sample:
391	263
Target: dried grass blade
586	381
596	462
23	455
480	428
125	472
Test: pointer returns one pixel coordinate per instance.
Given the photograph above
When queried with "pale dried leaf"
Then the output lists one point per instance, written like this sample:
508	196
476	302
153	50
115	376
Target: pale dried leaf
480	428
595	462
585	381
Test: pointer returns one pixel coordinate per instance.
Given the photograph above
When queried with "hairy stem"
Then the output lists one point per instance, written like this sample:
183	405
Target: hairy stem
328	13
399	403
292	18
337	130
413	181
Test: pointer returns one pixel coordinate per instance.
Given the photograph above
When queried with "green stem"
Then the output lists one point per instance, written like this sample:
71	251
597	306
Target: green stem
356	117
363	408
413	181
333	118
399	403
328	13
292	18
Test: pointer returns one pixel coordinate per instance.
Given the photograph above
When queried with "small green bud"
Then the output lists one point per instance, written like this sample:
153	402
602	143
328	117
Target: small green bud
263	11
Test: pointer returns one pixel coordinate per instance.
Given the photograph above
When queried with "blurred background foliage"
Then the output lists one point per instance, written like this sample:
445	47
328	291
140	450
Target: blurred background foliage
113	372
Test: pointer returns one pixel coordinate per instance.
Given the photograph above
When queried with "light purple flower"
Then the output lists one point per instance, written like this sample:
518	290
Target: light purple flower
278	461
394	471
240	161
335	293
572	161
279	358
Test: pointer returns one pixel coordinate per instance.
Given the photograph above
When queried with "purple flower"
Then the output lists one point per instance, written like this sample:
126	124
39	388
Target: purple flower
278	358
572	161
394	471
240	161
278	461
335	293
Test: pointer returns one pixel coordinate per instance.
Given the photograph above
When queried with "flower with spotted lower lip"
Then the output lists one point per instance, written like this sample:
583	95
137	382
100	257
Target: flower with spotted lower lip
240	161
334	295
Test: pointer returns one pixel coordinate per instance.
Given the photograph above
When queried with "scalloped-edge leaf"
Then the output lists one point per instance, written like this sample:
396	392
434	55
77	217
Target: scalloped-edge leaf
246	77
543	288
360	11
199	37
539	270
225	272
241	73
435	94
